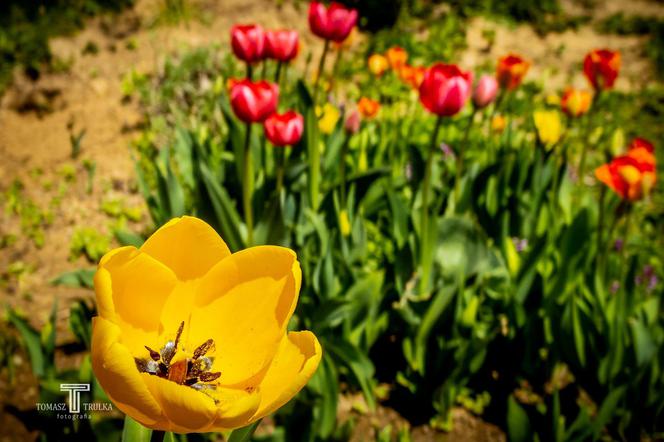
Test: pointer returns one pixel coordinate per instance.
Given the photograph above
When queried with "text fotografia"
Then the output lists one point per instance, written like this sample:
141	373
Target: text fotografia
74	408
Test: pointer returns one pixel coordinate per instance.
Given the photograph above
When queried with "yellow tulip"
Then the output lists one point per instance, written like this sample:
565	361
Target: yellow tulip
328	118
549	126
378	64
192	338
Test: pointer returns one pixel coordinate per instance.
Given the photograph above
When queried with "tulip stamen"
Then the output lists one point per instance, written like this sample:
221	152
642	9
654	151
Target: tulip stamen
193	372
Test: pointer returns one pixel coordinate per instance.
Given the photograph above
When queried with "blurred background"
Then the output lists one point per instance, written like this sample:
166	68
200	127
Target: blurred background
87	85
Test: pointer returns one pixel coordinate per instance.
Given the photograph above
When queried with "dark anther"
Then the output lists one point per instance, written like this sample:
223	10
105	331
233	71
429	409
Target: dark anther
209	376
153	354
203	348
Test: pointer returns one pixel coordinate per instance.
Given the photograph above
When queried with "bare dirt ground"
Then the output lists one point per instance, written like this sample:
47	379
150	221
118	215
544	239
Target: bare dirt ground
37	119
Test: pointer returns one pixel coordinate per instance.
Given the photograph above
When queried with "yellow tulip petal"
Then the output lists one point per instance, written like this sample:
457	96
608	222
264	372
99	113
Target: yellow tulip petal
186	409
116	372
188	246
244	304
132	286
235	408
295	362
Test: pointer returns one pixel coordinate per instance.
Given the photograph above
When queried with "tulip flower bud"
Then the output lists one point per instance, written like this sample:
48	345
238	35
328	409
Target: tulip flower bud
575	102
281	45
248	42
510	71
352	123
378	64
445	89
284	129
397	57
549	127
334	22
254	102
601	68
368	108
485	92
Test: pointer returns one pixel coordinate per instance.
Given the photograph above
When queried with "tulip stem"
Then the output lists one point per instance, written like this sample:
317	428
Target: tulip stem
247	187
249	71
342	171
281	161
335	69
424	218
277	75
321	66
459	160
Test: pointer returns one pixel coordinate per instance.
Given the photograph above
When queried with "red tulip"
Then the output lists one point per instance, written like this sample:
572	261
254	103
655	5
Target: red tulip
331	23
639	142
631	178
284	129
254	102
510	70
281	45
248	42
485	92
601	68
445	89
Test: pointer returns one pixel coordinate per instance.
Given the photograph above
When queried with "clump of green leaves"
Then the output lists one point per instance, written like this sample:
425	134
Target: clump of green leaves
88	242
33	218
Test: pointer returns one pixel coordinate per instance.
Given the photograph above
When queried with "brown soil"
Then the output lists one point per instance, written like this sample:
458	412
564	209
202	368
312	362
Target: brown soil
36	119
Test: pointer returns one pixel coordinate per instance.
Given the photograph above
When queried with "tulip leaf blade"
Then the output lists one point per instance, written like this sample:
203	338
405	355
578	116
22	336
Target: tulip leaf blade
32	341
135	432
228	219
75	278
244	434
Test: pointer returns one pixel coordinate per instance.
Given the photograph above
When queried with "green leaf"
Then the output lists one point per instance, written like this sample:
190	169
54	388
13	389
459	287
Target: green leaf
76	278
436	308
32	341
644	344
127	238
135	432
325	382
244	434
606	411
227	216
578	334
462	248
359	364
518	424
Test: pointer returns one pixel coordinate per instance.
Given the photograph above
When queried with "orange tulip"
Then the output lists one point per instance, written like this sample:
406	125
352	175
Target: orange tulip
368	108
397	57
378	64
601	68
575	102
631	176
510	70
412	75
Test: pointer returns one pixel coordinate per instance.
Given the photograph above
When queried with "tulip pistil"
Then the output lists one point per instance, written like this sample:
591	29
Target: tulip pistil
193	372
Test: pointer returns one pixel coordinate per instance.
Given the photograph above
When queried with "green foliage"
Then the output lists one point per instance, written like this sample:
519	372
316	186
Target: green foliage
89	242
